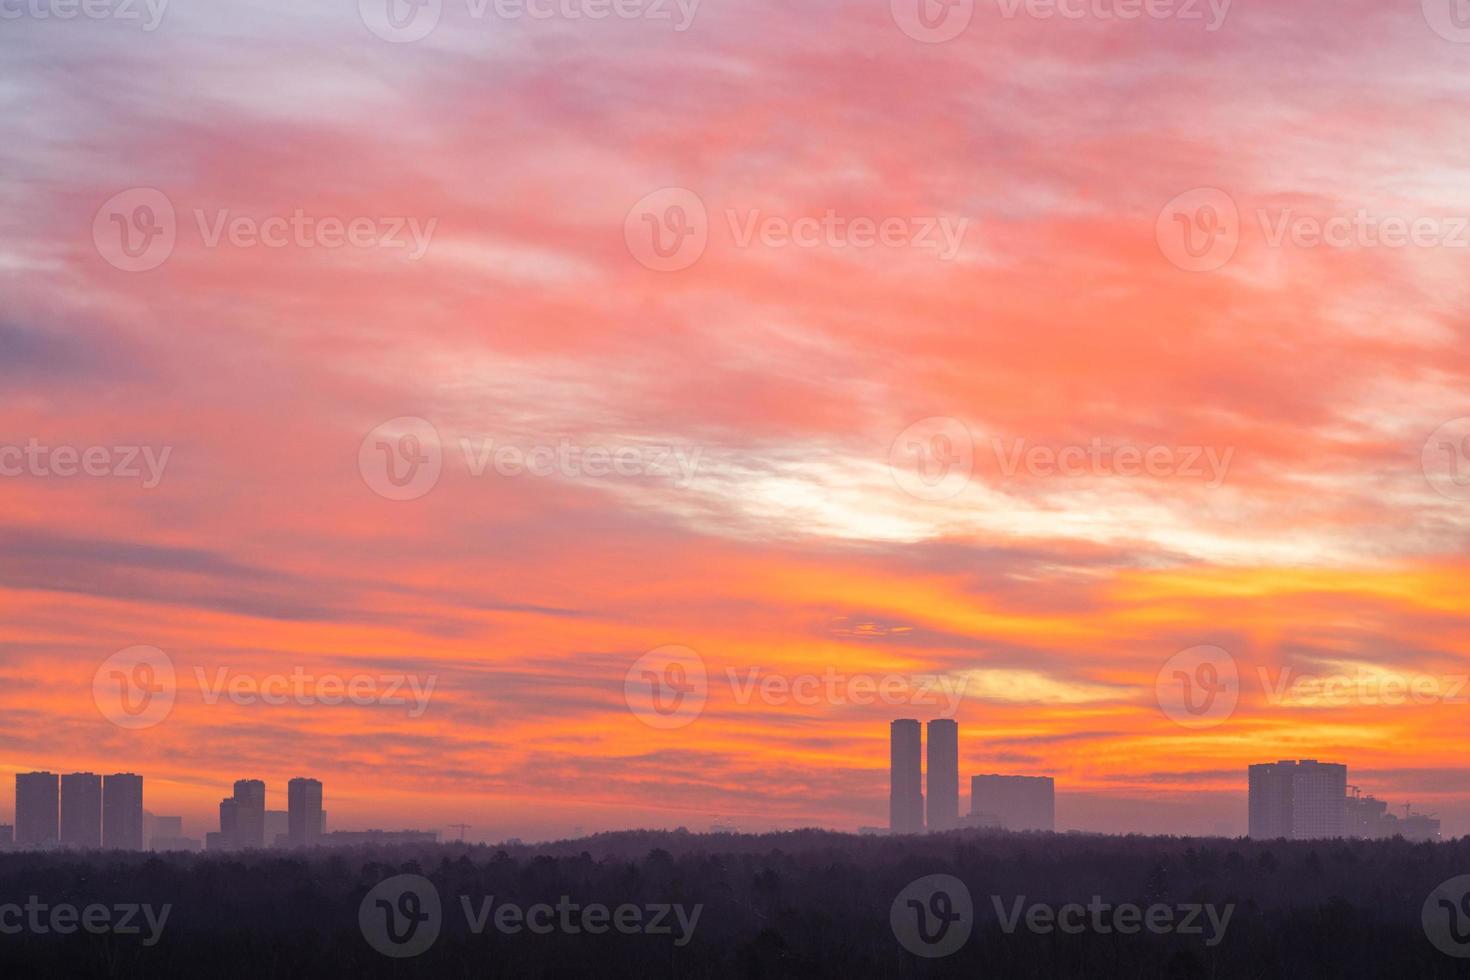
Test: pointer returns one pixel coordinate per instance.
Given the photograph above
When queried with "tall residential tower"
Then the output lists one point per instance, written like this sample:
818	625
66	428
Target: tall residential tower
36	799
81	810
943	777
304	812
122	811
905	777
1303	800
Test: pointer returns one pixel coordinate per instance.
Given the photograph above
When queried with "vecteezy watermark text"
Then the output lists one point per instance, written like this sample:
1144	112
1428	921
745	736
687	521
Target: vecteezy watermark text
1201	686
145	463
403	459
302	688
137	230
1201	229
64	919
1104	918
668	688
669	230
149	13
138	687
935	458
402	917
937	21
1097	458
406	21
1210	13
933	917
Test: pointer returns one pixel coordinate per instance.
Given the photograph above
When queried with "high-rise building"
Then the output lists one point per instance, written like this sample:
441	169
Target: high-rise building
1364	817
1303	800
122	811
1018	802
942	781
159	830
905	777
277	828
7	834
81	810
304	812
1419	827
229	823
37	796
250	795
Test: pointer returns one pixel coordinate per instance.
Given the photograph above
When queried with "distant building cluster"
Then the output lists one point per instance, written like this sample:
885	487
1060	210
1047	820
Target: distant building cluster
78	810
996	801
85	811
1308	800
245	823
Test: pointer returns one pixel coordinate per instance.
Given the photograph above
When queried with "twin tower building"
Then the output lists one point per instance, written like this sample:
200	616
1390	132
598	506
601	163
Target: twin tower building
906	794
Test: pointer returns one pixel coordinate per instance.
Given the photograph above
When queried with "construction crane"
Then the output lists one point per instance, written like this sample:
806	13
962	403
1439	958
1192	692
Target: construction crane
461	827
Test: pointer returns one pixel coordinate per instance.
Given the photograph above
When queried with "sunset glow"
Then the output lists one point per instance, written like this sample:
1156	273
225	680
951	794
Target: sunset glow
942	399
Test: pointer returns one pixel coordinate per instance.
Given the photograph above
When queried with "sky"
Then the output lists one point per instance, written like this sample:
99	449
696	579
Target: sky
582	416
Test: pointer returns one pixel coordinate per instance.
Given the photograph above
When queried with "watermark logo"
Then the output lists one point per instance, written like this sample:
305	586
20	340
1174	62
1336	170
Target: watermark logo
1446	917
401	459
401	21
667	688
401	916
668	230
135	230
933	459
932	917
1199	230
1450	19
135	688
1198	687
932	21
1446	459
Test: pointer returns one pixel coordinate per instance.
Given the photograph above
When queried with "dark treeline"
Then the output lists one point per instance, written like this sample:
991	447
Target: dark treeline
803	904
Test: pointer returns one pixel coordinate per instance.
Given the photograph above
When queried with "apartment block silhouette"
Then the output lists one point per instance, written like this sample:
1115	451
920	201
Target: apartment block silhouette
122	811
304	817
37	799
905	777
250	813
1303	800
81	810
942	780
